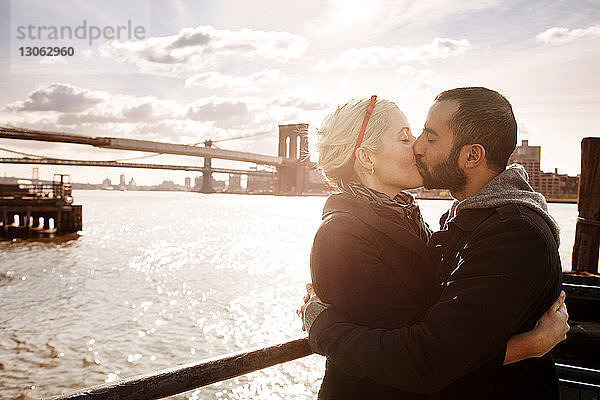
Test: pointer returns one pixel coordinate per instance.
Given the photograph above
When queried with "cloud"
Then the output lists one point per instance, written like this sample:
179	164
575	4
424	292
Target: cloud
557	35
223	113
95	112
58	97
216	111
192	49
300	102
344	20
54	60
120	109
216	80
366	57
419	78
87	53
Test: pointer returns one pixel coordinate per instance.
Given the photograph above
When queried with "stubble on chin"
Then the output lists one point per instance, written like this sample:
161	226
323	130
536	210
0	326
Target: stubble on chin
428	181
445	175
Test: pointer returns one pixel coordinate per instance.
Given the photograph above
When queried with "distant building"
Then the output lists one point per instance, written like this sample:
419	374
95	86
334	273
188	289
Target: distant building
559	186
107	184
198	183
235	183
218	186
168	185
188	183
9	180
260	183
551	184
529	157
316	180
131	185
122	184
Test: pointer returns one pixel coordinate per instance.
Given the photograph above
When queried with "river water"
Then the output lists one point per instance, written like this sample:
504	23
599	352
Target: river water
158	279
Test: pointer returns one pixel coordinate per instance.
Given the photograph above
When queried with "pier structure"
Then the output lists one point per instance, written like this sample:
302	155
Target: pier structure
33	210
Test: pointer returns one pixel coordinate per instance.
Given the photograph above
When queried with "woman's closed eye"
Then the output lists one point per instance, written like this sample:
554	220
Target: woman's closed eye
405	135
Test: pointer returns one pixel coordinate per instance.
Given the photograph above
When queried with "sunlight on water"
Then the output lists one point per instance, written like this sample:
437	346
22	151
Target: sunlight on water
161	279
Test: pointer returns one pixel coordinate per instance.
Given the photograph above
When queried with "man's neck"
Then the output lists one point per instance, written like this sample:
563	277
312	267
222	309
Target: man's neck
474	184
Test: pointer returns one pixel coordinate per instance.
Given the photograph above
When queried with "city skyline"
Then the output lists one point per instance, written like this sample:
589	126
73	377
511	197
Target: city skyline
553	184
220	70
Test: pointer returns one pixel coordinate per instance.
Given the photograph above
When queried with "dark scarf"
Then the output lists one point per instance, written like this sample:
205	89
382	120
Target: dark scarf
402	209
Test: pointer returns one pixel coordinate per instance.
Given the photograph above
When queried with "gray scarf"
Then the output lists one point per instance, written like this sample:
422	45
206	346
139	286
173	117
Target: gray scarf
402	209
509	187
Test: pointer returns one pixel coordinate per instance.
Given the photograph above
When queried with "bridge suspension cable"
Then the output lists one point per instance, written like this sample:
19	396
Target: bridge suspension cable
21	153
155	148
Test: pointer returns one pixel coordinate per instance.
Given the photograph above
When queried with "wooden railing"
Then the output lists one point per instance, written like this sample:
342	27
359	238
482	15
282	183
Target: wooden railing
578	360
180	379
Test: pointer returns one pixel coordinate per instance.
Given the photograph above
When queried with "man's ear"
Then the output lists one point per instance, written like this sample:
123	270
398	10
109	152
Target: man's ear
473	155
363	158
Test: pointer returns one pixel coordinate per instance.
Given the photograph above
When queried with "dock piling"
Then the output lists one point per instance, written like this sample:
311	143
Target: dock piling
587	234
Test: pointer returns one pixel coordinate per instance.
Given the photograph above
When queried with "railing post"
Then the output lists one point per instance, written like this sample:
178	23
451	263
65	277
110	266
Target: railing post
587	234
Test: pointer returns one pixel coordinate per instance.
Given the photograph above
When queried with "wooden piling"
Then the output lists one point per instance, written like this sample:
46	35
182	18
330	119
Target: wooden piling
587	234
28	221
58	222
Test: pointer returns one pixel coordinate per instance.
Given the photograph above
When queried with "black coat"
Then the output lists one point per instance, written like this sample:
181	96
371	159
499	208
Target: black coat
500	272
376	274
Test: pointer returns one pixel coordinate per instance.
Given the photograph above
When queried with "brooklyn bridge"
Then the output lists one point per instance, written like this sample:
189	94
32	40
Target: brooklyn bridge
291	171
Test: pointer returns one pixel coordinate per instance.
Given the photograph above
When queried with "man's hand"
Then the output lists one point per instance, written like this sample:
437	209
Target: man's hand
552	327
310	295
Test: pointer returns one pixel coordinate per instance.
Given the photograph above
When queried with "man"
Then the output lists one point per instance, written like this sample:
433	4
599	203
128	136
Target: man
499	268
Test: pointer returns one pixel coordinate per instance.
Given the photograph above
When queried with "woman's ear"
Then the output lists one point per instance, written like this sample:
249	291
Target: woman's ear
364	159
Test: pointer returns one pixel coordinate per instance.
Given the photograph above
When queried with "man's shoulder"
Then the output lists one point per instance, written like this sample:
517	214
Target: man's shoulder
501	217
520	219
512	238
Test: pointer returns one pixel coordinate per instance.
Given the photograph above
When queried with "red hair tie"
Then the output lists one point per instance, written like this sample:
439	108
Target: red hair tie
363	128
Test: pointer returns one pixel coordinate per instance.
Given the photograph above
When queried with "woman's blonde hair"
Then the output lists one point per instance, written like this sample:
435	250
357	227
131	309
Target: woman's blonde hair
337	136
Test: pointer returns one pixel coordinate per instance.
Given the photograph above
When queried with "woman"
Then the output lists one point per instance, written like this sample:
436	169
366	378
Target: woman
390	282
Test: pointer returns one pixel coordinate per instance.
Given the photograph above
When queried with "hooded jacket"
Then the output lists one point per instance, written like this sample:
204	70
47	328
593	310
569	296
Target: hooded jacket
499	270
377	273
510	187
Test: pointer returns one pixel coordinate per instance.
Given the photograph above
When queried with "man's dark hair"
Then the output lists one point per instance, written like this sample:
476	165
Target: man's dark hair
485	117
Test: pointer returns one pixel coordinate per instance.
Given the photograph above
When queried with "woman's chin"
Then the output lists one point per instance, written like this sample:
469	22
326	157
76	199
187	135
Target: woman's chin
416	184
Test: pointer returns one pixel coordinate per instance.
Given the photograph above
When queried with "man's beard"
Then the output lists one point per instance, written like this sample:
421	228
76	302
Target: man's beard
445	175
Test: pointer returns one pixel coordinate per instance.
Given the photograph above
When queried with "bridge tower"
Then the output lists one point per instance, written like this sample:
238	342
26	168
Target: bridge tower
207	172
293	143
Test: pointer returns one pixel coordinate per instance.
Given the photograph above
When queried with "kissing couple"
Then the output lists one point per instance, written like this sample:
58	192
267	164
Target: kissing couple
401	312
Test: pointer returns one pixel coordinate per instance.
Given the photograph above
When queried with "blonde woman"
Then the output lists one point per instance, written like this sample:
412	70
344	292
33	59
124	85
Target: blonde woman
369	257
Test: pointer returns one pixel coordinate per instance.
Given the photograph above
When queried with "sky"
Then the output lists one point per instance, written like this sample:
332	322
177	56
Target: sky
197	70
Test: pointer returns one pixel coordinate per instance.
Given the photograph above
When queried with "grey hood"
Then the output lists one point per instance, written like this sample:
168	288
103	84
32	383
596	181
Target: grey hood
510	187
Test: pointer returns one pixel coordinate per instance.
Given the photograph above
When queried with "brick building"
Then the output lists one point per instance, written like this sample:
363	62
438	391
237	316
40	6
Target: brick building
551	184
